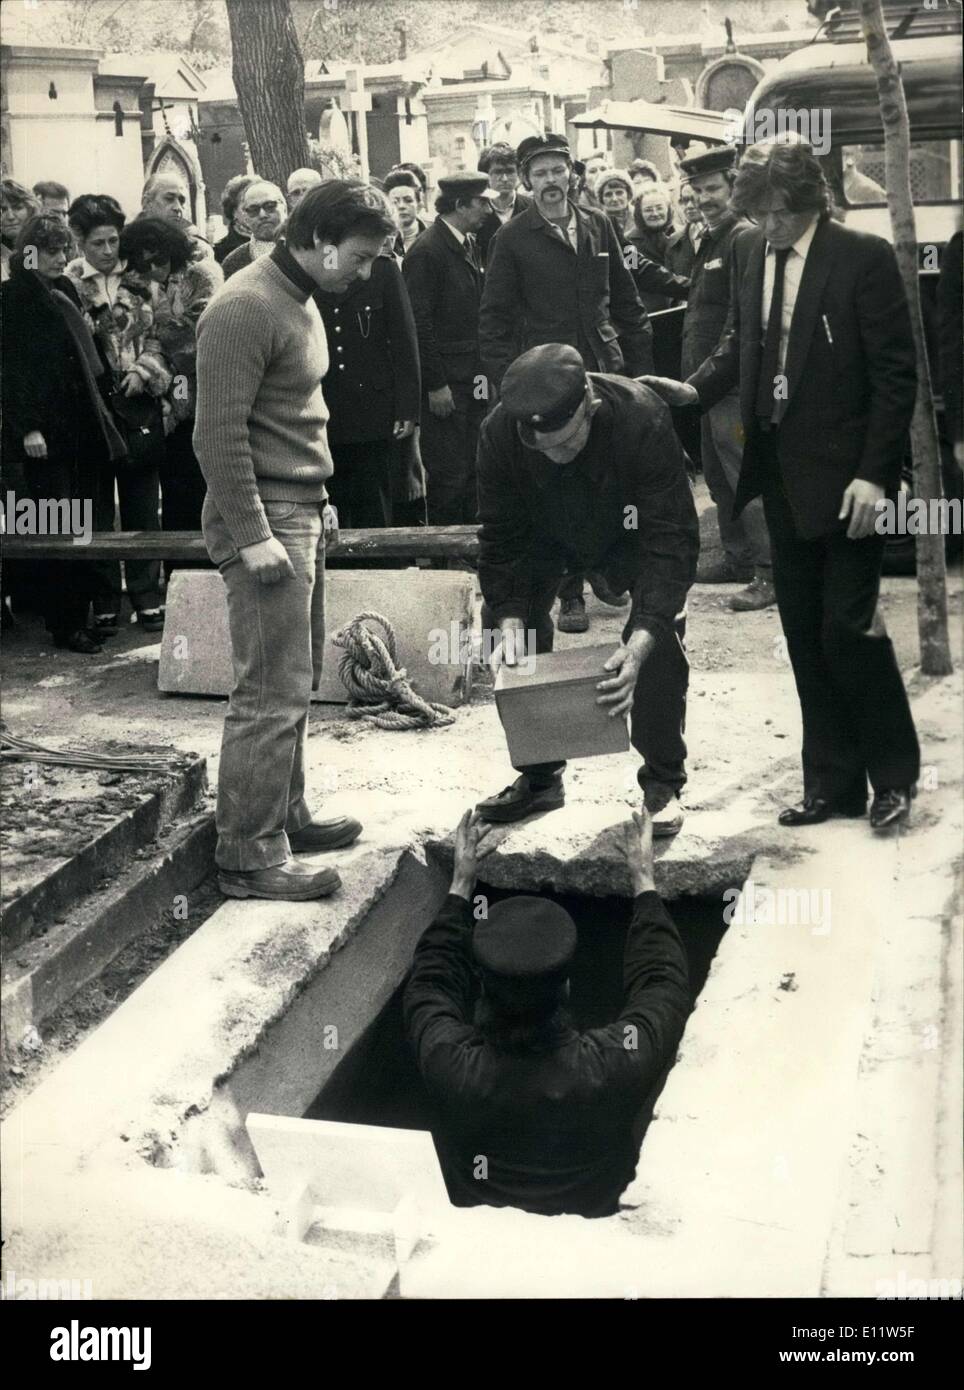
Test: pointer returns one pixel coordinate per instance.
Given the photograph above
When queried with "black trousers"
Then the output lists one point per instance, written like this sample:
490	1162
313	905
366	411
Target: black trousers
182	489
658	717
64	587
448	452
138	498
857	722
361	486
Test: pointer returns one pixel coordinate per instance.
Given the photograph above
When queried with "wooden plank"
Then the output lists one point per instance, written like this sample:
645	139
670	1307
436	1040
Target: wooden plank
389	543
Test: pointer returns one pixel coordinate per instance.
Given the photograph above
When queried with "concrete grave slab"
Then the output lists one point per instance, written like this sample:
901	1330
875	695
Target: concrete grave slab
430	611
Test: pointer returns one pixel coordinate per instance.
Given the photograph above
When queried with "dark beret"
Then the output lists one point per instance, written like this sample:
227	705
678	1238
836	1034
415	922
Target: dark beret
465	185
709	162
542	144
525	939
542	388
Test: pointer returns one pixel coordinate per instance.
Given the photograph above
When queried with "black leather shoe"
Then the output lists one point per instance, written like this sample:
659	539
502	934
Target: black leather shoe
521	800
318	835
814	809
891	807
573	616
79	641
291	882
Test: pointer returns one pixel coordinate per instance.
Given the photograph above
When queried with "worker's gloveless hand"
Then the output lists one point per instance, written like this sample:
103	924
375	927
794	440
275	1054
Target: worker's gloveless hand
441	402
473	841
637	849
617	692
402	429
34	445
672	392
859	502
267	561
511	646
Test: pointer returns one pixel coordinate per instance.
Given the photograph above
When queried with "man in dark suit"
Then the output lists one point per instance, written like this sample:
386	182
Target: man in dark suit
556	275
820	342
499	164
444	283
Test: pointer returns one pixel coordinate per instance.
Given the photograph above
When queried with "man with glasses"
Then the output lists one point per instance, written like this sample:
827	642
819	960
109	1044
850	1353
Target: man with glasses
498	162
263	208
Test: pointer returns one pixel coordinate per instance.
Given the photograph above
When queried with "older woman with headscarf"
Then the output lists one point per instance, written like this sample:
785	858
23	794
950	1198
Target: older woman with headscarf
122	318
55	420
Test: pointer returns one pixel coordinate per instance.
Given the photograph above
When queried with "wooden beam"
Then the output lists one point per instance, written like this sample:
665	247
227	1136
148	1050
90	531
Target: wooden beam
389	543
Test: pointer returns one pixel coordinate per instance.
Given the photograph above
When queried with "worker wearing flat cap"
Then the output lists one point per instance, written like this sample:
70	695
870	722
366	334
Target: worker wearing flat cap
583	471
556	274
444	280
530	1111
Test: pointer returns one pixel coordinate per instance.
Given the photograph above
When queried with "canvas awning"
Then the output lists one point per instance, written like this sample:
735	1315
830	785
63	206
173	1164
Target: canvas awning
690	122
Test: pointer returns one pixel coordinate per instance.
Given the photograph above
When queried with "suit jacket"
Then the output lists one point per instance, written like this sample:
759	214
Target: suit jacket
374	377
444	284
851	373
493	223
539	290
555	1121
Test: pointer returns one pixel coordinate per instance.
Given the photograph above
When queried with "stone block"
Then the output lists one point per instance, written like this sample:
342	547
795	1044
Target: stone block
430	610
550	713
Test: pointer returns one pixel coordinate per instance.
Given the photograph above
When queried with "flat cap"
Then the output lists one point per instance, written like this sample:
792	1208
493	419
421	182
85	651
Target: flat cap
464	185
708	162
525	939
542	144
543	388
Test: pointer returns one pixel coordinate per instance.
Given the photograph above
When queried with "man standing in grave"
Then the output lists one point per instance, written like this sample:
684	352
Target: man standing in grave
584	471
531	1112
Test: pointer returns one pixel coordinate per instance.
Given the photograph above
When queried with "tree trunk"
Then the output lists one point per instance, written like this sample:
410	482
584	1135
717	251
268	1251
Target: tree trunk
935	651
269	78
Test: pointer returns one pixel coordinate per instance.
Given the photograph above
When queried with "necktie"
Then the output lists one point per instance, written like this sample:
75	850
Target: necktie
770	362
472	250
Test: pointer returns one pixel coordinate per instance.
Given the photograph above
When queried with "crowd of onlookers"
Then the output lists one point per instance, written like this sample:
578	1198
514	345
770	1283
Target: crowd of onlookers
99	335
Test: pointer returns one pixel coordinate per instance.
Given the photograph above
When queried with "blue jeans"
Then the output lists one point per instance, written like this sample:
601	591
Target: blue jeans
277	639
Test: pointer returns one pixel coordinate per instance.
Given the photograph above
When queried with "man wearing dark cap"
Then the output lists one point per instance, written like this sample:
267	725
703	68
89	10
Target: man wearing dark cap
745	539
532	1113
584	471
556	275
444	281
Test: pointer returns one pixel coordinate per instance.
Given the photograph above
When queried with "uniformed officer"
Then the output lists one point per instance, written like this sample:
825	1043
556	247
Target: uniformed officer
583	471
444	281
531	1112
746	541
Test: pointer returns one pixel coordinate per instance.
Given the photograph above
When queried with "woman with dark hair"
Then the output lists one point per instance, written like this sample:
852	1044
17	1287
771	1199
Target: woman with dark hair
158	254
17	206
404	193
238	232
120	314
55	422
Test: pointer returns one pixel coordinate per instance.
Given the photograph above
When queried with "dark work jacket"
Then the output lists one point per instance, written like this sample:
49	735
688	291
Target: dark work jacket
555	1126
538	517
373	377
709	296
444	287
539	290
493	223
681	253
644	251
851	373
44	385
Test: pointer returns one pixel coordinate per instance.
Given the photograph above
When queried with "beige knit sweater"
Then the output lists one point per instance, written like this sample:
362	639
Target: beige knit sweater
261	431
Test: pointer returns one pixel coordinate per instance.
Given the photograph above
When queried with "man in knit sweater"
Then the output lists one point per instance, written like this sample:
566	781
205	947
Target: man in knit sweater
262	444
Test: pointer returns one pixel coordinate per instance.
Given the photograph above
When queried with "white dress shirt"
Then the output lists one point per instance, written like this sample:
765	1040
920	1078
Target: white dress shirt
792	275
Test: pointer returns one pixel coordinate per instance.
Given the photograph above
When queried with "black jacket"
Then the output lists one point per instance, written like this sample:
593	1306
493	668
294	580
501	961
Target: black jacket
493	223
680	253
537	518
709	297
539	290
44	386
373	378
444	287
851	373
645	250
555	1127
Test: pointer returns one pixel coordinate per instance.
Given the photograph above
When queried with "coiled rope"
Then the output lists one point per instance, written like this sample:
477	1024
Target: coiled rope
378	689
